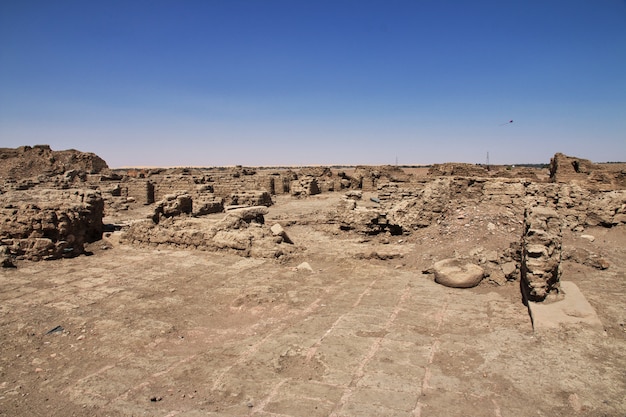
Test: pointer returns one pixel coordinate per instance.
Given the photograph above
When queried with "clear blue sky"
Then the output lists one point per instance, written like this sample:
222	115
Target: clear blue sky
268	82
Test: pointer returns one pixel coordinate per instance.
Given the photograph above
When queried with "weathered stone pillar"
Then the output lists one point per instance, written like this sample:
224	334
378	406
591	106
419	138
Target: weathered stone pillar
541	253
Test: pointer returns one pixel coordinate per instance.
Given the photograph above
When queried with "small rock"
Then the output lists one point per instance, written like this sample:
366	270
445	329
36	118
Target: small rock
491	256
277	230
509	269
574	402
476	251
6	261
590	238
304	266
497	277
354	194
491	227
597	262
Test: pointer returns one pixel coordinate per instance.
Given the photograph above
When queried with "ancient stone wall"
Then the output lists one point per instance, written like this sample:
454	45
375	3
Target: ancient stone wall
242	231
171	184
565	168
141	190
305	186
50	224
568	169
370	177
249	198
457	169
419	203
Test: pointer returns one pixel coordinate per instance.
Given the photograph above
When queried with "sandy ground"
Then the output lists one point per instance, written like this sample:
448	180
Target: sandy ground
163	332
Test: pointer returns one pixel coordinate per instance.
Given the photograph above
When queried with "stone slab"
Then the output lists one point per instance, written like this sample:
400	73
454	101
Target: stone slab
573	309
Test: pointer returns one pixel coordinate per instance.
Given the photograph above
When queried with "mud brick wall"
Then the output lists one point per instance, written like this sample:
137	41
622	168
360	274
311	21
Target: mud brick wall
141	190
249	198
369	184
504	192
305	186
171	184
226	185
282	183
564	168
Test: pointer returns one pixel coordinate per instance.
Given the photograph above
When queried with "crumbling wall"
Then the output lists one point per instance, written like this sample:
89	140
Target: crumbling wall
578	206
423	208
172	205
304	186
242	231
249	198
541	253
457	169
172	184
565	168
141	190
348	215
370	177
49	224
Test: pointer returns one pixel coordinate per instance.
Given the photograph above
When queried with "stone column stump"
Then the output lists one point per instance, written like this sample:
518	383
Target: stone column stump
541	253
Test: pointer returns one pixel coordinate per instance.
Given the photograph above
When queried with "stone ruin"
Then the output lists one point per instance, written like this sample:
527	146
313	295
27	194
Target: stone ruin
457	169
541	253
305	186
53	204
567	169
419	204
49	224
242	231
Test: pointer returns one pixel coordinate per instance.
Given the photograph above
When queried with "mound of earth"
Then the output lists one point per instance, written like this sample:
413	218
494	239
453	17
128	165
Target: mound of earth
28	162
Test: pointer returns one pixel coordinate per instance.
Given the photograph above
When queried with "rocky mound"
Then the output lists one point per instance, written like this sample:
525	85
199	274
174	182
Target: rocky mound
28	162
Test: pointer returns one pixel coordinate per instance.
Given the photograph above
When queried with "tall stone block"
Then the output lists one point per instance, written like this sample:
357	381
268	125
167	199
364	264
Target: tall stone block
541	253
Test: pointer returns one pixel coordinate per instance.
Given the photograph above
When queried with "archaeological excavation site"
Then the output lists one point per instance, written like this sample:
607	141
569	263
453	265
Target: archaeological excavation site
445	290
